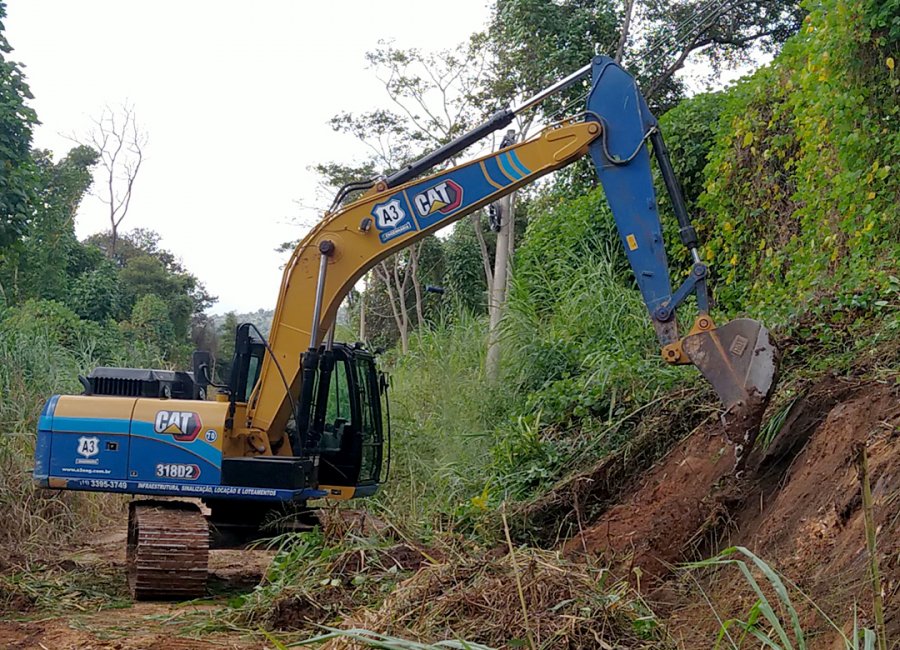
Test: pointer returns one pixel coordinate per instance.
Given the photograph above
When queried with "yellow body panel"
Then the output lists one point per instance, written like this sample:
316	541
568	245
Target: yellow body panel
94	406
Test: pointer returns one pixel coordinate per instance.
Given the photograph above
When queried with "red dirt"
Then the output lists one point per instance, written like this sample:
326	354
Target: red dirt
130	629
798	507
651	528
811	527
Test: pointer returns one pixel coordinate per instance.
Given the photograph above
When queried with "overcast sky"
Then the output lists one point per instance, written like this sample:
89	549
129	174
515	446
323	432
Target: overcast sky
235	97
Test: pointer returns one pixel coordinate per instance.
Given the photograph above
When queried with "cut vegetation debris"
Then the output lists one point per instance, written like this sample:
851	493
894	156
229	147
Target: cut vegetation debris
478	599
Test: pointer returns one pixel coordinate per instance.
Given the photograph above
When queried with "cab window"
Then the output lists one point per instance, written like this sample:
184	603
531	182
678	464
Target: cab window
370	413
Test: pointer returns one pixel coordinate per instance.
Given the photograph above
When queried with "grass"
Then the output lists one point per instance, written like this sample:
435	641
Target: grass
32	368
481	598
444	414
375	640
63	588
314	581
773	620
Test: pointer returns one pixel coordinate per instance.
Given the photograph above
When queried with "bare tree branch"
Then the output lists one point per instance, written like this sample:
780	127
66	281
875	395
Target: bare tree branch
118	138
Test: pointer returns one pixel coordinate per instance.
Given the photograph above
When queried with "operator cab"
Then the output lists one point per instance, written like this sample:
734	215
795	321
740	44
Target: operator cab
342	413
352	433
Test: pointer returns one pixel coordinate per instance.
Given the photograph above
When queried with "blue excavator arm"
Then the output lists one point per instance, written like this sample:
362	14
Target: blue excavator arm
619	133
738	359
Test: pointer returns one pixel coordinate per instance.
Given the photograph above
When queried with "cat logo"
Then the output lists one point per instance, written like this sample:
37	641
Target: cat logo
181	425
444	197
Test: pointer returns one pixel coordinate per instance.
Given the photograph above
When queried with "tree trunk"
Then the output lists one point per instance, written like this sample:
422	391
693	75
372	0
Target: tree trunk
399	316
511	246
485	254
498	290
626	25
414	253
400	286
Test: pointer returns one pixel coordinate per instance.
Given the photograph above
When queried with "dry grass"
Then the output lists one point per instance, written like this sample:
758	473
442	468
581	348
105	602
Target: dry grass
477	599
37	522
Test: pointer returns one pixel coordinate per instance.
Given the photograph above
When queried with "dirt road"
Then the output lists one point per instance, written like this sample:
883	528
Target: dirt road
97	614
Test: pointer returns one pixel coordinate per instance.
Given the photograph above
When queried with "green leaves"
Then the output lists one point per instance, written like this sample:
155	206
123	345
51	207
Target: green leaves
883	18
772	621
799	164
17	170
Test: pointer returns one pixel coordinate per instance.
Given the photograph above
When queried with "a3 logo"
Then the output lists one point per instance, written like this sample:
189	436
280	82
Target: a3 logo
393	220
88	446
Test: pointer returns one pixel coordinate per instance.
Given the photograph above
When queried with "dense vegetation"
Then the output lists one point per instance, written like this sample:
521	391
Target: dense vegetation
68	305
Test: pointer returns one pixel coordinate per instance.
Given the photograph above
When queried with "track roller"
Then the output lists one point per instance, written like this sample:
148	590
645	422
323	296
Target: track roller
168	550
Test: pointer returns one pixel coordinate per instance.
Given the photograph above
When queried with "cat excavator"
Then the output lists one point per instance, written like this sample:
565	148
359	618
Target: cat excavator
303	417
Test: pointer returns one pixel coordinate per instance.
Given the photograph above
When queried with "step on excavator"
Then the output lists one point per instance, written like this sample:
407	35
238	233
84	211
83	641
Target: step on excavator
303	417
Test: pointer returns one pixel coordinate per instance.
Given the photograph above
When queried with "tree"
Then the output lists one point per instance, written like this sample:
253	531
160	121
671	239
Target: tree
151	326
723	33
436	96
49	254
398	274
97	294
463	278
538	41
226	345
118	138
17	120
169	275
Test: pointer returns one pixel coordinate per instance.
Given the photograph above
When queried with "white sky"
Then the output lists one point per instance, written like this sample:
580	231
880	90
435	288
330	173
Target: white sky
235	97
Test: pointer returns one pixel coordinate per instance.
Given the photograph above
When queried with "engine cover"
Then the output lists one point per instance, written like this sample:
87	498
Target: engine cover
139	382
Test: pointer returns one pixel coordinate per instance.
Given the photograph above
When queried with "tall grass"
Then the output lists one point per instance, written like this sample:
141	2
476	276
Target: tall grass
579	346
773	621
579	357
444	413
32	368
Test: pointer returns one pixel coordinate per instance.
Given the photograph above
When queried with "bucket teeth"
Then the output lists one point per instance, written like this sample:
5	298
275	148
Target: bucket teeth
168	551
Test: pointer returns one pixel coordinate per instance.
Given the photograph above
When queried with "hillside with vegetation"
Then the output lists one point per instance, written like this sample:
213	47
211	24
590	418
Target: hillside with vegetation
553	483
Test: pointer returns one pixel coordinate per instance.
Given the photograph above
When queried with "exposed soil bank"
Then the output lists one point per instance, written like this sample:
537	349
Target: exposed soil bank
798	507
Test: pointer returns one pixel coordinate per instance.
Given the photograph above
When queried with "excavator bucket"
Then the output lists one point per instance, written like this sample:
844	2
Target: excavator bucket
740	361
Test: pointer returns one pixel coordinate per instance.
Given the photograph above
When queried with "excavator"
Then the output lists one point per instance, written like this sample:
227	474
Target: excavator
303	417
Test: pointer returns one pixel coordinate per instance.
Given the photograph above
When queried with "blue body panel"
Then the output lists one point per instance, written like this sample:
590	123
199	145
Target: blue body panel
189	490
149	449
616	102
125	456
42	444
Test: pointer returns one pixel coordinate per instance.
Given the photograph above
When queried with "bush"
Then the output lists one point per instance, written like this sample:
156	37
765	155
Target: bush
54	321
801	193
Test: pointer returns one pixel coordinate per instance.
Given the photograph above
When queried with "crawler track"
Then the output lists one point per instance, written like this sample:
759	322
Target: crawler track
168	550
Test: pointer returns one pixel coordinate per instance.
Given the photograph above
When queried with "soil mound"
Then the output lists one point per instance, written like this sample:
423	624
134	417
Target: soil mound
657	525
807	521
798	507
